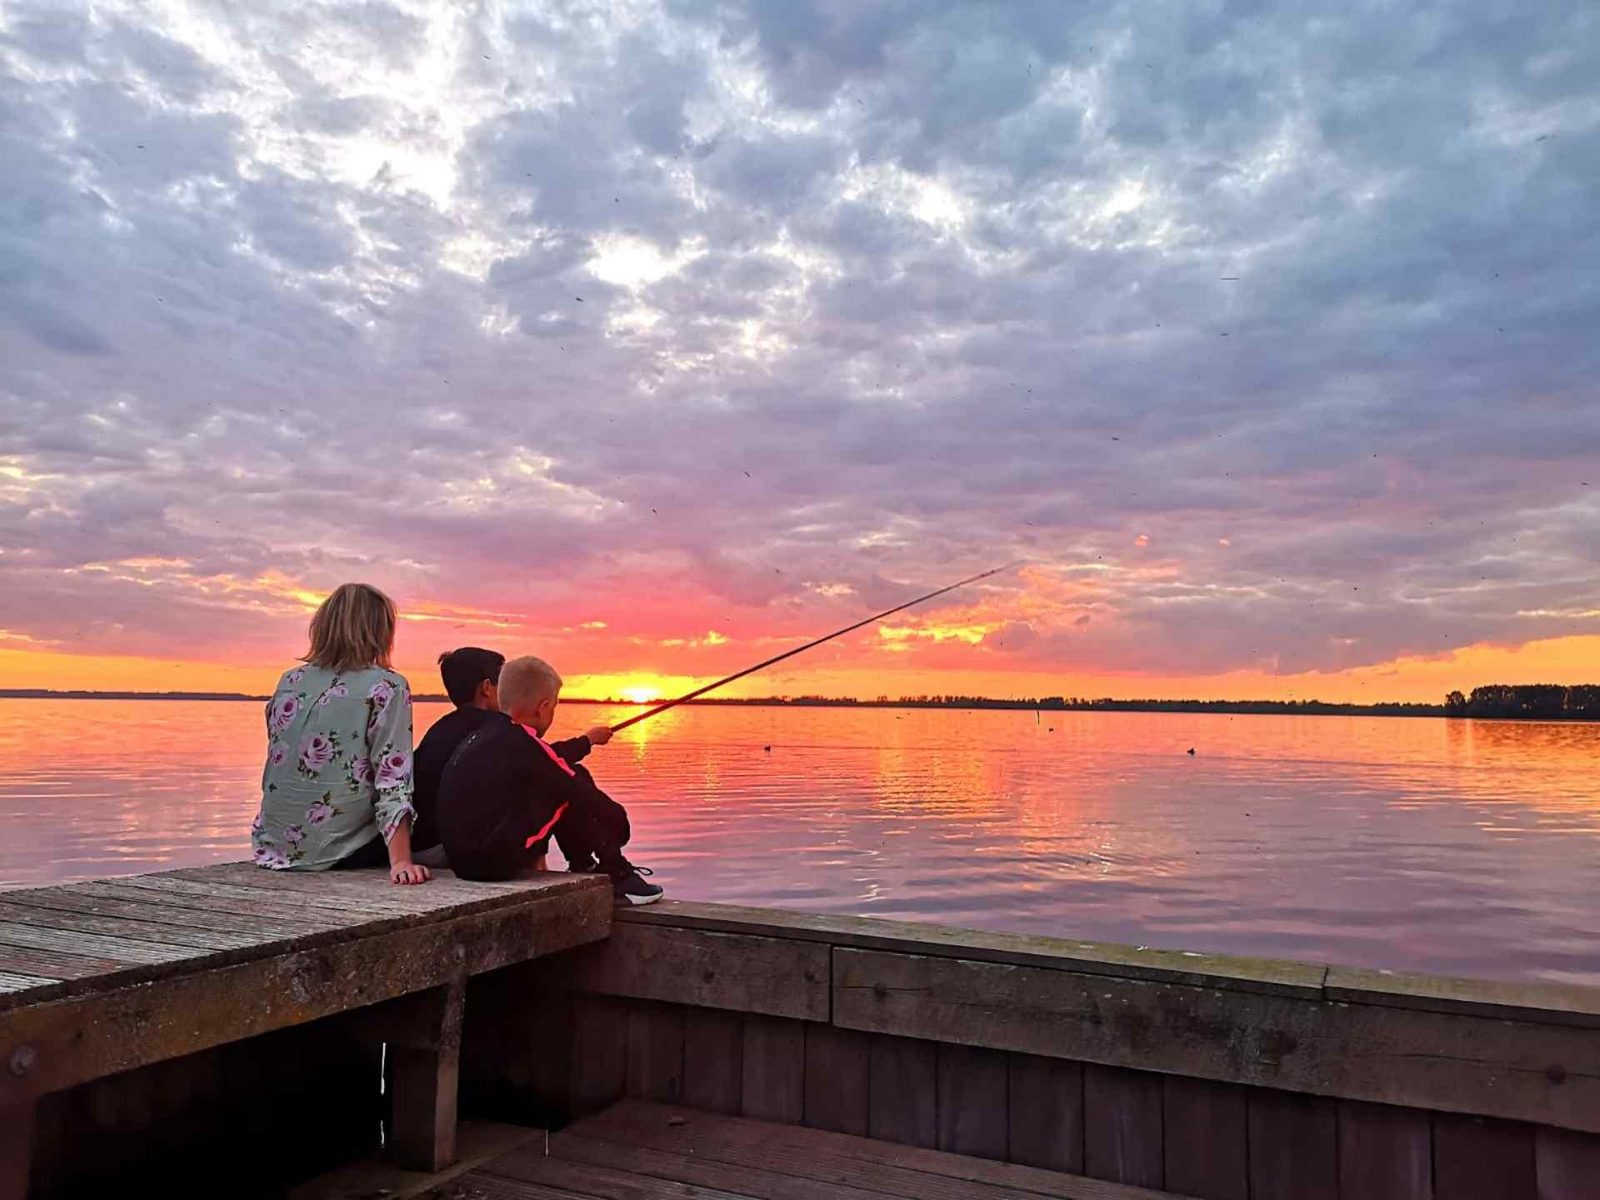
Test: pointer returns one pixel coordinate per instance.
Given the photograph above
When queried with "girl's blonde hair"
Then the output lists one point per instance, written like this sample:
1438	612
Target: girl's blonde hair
353	628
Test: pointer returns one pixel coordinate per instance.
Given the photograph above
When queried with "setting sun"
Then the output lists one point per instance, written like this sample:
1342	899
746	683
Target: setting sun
641	695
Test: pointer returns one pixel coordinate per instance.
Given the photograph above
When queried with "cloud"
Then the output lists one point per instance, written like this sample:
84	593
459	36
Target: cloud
748	317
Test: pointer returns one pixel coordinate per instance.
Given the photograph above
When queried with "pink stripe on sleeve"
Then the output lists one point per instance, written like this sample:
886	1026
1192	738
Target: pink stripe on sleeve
554	757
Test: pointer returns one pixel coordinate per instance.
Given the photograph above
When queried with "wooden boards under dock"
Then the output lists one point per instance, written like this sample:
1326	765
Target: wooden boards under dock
1215	1078
643	1151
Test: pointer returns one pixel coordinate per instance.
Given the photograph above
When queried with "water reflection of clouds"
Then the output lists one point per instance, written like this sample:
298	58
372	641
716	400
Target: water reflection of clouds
1462	847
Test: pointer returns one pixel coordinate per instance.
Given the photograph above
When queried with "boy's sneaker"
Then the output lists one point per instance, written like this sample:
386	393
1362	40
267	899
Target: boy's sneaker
629	887
587	865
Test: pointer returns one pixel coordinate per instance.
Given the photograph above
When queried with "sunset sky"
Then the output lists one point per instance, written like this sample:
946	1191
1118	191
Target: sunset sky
652	337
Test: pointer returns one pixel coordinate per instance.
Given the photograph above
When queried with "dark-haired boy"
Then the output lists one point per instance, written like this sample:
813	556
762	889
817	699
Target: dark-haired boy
471	678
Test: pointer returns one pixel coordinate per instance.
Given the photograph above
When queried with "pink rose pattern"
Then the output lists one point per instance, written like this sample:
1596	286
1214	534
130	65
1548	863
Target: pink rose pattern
394	767
317	744
285	707
317	751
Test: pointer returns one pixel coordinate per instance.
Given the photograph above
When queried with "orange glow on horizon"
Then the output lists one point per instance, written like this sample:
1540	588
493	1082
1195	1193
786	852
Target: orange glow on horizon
866	671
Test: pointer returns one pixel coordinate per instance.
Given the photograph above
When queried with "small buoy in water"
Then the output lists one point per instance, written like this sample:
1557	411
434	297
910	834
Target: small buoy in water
1191	750
768	749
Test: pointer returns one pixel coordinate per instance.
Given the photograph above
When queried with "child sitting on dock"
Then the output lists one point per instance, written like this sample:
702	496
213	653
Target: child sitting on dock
503	790
336	787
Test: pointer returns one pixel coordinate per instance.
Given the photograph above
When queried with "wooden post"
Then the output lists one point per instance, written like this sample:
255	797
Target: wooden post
423	1033
16	1149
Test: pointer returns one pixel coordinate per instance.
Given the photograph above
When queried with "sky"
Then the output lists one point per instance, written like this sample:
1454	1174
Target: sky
654	337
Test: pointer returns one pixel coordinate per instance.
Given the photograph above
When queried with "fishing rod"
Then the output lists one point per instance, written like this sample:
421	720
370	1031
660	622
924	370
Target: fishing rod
778	658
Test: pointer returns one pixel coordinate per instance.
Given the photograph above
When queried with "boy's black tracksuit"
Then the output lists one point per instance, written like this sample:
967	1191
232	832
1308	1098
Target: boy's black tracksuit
493	793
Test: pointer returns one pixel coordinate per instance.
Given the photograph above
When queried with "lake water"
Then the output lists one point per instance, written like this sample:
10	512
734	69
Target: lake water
1468	848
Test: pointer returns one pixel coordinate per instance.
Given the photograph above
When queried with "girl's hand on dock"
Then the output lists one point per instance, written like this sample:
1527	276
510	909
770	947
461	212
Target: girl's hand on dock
404	873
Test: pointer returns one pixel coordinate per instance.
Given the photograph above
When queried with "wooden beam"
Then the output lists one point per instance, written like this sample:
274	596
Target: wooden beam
1546	1003
1271	976
1546	1074
423	1070
708	970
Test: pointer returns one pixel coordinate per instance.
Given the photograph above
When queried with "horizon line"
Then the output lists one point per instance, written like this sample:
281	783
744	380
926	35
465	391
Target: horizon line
1045	703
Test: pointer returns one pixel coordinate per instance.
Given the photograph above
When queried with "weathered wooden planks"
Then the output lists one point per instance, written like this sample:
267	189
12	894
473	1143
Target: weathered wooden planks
37	935
1122	1125
1205	1138
973	1101
837	1070
713	1060
773	1070
709	970
836	1160
1475	1159
902	1095
655	1052
1270	976
1257	1087
1566	1165
1546	1003
599	1053
122	927
1546	1073
1294	1146
1385	1153
1045	1117
576	1157
100	1032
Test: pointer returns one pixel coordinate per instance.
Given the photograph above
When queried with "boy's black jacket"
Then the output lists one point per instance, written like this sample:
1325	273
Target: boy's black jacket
496	788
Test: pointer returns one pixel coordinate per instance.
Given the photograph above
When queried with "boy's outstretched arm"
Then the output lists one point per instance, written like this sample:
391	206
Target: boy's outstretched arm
575	750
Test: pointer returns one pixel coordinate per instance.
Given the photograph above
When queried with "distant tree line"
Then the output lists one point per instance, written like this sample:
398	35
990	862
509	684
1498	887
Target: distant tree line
1077	703
1533	701
1528	701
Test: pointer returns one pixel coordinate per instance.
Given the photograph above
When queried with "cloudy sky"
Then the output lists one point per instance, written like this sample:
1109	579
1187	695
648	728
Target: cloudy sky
650	336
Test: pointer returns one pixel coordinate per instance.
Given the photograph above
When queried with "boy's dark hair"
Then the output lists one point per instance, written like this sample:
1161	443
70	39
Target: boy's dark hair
464	669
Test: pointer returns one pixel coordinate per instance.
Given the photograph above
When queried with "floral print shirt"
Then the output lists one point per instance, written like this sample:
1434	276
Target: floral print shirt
338	769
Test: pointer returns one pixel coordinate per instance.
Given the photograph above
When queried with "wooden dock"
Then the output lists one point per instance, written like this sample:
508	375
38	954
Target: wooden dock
1199	1075
223	1029
127	1005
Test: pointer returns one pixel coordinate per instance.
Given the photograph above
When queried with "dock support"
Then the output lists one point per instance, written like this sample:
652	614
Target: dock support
423	1068
16	1149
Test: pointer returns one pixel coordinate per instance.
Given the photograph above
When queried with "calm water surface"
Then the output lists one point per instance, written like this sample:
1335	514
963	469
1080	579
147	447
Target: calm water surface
1456	847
